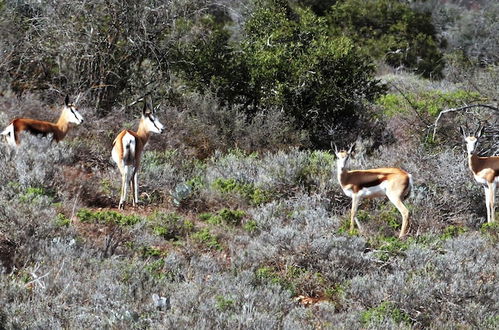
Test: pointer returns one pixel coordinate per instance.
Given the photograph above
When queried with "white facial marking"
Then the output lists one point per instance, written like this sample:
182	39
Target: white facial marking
8	134
153	124
342	158
471	142
73	115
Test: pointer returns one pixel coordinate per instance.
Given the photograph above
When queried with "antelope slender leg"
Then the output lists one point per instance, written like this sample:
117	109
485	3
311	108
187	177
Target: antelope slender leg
405	215
355	205
487	202
126	180
132	191
136	187
492	191
121	206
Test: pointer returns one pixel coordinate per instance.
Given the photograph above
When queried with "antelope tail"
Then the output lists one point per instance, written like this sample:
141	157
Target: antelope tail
128	149
408	189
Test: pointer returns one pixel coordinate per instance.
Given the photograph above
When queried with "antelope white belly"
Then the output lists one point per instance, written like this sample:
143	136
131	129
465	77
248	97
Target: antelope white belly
482	181
374	191
368	192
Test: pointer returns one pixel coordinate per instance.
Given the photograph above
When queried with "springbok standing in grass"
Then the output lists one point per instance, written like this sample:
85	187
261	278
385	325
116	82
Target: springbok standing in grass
69	115
127	150
394	183
485	170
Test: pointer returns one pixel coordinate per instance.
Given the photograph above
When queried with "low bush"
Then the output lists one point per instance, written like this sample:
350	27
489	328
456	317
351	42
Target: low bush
107	217
170	226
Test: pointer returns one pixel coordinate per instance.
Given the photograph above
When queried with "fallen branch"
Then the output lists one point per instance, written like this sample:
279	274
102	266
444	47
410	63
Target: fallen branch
466	107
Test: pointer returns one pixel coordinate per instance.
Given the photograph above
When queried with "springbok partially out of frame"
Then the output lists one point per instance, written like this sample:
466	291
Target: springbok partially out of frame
69	115
127	150
393	183
484	169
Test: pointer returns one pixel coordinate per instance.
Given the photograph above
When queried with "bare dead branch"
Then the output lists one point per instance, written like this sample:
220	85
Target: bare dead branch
466	107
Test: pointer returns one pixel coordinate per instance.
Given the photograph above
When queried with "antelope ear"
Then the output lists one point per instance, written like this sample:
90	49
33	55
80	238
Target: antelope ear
333	145
480	132
352	148
463	133
145	110
66	100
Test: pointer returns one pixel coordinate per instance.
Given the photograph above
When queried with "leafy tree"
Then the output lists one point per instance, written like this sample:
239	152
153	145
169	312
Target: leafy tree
112	49
319	7
285	60
207	59
320	80
390	30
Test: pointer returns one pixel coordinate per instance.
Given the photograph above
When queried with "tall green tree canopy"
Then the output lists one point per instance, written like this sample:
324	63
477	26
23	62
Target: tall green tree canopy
290	62
392	31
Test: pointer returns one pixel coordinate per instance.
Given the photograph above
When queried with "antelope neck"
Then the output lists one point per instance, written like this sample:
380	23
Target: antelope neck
62	125
473	162
142	132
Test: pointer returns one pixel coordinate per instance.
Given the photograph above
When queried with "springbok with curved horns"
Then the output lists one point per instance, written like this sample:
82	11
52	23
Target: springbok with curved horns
127	150
485	170
69	115
393	183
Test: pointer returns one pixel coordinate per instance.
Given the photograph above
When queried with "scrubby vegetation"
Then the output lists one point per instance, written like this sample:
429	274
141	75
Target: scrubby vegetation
241	222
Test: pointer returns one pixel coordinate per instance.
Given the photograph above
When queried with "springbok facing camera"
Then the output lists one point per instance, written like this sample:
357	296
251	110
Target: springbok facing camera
127	150
485	170
69	115
392	182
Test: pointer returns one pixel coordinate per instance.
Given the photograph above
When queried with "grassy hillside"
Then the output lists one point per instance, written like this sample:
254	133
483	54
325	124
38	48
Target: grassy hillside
241	221
239	240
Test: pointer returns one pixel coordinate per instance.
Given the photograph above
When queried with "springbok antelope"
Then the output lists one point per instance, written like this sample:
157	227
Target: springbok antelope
485	170
127	150
69	115
394	183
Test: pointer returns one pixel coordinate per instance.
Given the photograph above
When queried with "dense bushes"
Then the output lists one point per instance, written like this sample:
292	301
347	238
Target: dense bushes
285	60
284	261
392	31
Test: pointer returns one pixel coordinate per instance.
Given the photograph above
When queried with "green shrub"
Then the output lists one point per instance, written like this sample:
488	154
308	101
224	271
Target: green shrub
170	226
155	268
390	215
205	237
211	218
62	221
491	230
385	310
387	247
232	217
226	216
452	231
224	304
254	195
151	251
32	194
268	274
251	226
107	217
428	102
